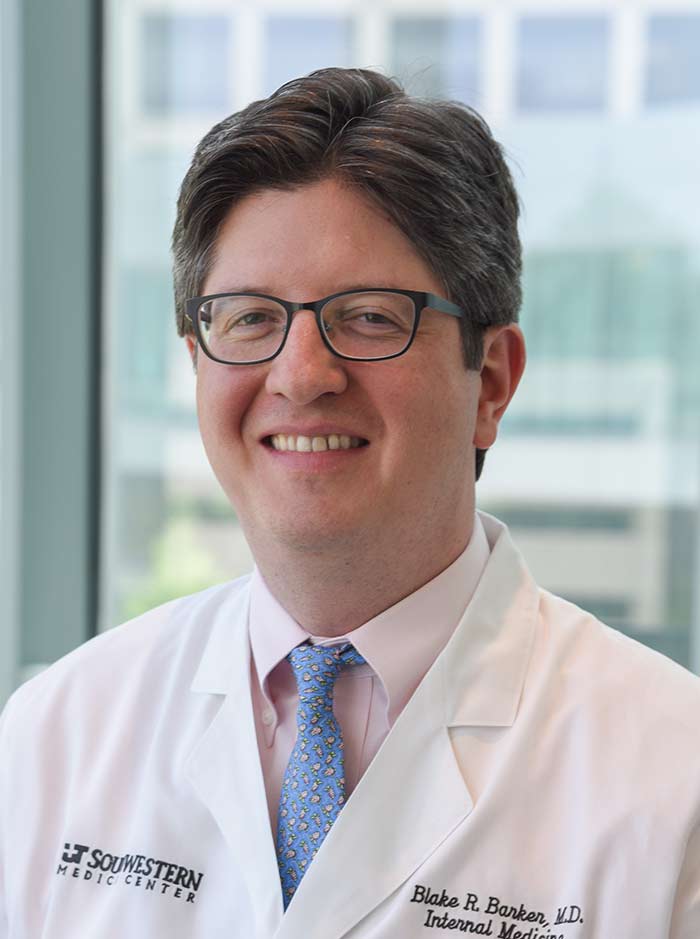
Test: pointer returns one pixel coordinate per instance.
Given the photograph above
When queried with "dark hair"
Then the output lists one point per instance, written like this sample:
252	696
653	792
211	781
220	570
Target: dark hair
431	165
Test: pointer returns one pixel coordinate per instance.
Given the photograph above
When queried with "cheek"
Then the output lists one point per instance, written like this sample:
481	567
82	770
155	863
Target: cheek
443	429
222	401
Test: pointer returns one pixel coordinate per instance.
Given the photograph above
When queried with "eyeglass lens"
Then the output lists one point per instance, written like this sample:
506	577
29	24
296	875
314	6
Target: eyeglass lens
363	325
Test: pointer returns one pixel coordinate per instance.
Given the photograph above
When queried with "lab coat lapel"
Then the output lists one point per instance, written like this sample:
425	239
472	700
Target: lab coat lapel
414	795
224	767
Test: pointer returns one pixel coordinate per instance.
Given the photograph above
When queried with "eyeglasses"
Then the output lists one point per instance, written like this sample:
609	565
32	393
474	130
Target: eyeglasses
366	325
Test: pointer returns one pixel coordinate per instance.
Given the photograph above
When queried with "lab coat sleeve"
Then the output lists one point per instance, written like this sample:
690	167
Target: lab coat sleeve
685	923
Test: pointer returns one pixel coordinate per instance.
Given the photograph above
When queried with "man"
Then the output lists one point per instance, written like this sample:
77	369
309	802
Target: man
388	729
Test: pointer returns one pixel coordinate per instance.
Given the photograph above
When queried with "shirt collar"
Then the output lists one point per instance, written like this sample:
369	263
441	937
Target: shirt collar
400	643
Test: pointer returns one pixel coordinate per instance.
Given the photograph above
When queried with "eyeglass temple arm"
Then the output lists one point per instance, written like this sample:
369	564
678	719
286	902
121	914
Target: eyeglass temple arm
204	317
444	306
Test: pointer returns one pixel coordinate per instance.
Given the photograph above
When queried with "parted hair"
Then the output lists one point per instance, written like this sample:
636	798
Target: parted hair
431	165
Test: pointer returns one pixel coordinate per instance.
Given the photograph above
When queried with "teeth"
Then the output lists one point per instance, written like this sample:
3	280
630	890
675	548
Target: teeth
302	444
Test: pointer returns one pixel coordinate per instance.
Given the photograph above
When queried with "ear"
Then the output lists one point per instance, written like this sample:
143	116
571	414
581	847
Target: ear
502	367
192	348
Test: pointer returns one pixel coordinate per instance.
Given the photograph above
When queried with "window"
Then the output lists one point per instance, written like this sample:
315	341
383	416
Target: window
673	60
597	465
562	63
184	63
438	57
610	300
297	45
550	518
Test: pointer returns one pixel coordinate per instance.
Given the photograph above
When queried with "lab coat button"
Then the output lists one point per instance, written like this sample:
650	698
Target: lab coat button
268	717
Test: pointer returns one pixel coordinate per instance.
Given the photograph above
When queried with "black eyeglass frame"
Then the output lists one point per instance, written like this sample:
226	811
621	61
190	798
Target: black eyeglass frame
421	301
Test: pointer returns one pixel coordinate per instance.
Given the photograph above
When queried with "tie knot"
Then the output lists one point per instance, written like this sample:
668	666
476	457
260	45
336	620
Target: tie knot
316	668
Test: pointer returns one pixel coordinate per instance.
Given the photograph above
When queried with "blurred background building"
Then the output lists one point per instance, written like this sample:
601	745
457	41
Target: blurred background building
109	503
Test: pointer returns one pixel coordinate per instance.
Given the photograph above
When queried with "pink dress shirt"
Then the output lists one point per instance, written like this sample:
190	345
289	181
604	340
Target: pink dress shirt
399	645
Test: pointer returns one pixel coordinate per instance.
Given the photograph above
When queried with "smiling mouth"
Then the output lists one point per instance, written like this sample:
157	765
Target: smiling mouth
298	443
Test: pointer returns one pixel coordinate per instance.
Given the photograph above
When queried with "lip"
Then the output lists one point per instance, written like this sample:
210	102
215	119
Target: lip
314	462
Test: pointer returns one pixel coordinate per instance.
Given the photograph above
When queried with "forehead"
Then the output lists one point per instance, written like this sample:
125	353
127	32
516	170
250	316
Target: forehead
320	237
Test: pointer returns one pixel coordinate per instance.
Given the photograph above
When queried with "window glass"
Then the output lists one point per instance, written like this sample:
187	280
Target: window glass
296	45
673	60
438	56
160	495
184	61
562	63
597	466
603	430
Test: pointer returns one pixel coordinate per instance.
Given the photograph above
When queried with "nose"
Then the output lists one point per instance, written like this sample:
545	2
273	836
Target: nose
305	369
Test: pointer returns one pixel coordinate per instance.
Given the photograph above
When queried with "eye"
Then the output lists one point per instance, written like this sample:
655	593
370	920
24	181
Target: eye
371	316
367	315
374	316
368	319
252	318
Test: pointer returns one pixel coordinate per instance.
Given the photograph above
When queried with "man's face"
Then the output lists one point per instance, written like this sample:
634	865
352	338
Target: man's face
414	414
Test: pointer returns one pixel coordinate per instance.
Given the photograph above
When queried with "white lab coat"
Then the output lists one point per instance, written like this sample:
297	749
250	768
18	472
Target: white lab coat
544	780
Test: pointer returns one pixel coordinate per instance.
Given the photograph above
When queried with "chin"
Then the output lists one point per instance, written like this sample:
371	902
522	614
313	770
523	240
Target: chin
298	534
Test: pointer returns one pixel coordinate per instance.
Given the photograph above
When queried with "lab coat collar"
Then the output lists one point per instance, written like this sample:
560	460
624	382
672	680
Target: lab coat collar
485	662
218	671
412	796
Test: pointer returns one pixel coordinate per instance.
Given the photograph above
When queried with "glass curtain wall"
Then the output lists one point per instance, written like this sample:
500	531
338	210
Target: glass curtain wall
598	463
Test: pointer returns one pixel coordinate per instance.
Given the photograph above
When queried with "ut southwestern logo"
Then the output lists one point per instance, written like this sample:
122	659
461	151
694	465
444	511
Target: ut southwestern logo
82	862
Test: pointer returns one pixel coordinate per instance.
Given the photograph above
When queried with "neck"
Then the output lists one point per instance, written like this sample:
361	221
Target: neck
330	593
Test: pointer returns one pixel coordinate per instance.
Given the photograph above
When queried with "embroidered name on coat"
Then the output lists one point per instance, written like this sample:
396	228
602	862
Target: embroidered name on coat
491	916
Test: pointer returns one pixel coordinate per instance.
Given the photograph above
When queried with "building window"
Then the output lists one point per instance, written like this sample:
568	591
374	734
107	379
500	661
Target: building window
297	45
673	60
438	57
566	517
185	64
562	63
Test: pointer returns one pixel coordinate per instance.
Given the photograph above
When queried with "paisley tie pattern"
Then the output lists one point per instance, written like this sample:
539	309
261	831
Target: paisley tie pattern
313	789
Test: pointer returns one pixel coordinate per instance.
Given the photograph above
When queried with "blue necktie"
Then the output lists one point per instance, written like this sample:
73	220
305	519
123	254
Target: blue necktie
313	790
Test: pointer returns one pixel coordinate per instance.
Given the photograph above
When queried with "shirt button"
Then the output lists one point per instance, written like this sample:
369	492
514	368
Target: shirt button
268	717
